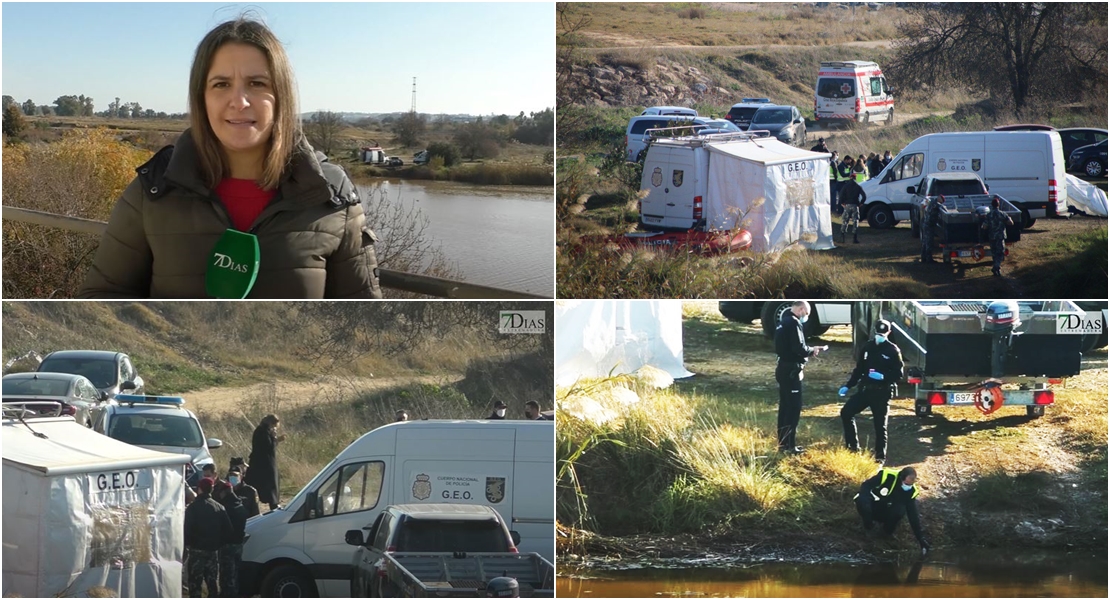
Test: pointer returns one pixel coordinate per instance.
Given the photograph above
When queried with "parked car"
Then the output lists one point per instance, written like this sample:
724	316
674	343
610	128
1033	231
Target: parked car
1025	127
111	372
784	122
77	395
158	423
437	528
741	113
1077	137
719	126
1089	160
670	110
635	138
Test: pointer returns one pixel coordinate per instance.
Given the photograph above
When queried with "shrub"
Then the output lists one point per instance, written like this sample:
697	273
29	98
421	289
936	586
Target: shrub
449	153
81	176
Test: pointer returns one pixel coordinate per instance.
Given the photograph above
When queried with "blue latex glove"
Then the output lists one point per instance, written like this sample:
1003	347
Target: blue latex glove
843	391
877	376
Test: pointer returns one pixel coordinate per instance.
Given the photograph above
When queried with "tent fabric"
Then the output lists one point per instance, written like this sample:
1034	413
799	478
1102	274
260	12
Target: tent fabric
1086	197
780	192
74	520
594	338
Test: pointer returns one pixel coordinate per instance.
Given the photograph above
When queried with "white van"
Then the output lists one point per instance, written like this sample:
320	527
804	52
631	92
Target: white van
669	110
635	135
301	550
852	91
1024	167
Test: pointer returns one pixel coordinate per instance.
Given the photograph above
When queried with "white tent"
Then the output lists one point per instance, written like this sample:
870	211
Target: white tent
84	510
782	193
1086	197
596	337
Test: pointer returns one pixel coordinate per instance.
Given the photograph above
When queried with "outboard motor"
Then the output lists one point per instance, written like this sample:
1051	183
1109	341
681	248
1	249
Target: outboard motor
1001	321
502	587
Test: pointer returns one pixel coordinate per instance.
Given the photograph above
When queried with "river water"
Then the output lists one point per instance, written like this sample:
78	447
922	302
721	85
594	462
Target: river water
983	573
501	236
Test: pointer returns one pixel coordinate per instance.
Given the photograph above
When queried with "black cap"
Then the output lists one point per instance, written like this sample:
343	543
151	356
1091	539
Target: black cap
883	327
500	404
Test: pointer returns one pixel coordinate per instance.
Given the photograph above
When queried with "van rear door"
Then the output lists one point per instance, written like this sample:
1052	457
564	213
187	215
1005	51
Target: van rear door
836	94
533	515
671	181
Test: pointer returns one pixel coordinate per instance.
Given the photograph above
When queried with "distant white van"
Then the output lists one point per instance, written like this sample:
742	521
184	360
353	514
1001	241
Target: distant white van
852	91
670	110
301	550
1024	167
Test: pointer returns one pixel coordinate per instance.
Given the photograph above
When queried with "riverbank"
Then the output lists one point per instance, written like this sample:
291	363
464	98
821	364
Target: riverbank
691	470
480	173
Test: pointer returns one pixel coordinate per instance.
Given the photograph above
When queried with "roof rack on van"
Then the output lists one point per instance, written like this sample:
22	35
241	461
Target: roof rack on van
19	411
132	400
654	134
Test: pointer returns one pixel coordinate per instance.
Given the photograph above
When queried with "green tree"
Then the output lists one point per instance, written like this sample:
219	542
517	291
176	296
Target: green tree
14	123
322	130
537	129
29	107
447	152
409	128
1014	51
68	106
8	100
478	140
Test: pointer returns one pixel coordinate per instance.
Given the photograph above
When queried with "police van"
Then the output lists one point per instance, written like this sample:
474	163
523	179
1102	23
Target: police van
300	549
1024	167
852	91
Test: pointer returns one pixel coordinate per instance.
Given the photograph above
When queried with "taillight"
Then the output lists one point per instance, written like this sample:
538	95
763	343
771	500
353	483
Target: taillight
857	104
1056	381
952	254
913	380
697	208
68	410
513	550
1052	195
1043	397
936	398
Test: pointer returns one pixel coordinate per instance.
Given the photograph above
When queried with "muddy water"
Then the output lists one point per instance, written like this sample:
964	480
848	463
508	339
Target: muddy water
501	236
981	574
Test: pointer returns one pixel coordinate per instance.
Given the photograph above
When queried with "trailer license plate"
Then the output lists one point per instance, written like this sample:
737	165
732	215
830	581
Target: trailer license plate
964	254
963	398
653	220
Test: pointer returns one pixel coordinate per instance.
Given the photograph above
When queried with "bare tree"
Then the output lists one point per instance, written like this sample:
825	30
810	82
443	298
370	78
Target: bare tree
322	130
409	128
403	240
1015	51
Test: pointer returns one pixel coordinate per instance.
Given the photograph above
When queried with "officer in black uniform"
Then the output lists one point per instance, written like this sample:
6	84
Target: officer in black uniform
877	372
793	353
887	497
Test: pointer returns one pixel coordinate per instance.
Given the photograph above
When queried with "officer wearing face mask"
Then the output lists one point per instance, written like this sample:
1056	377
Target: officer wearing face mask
793	353
886	498
499	409
877	373
246	493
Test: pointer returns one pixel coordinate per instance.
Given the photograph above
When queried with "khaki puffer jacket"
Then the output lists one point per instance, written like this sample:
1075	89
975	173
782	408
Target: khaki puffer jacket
313	240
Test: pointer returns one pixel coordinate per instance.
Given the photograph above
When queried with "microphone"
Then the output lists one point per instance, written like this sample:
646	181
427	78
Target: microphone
233	266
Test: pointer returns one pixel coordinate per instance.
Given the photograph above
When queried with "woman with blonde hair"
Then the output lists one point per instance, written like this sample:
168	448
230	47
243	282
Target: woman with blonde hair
243	165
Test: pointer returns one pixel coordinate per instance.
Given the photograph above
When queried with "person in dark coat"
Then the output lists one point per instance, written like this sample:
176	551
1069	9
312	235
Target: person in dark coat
877	371
887	497
263	474
499	409
231	554
793	354
207	529
246	493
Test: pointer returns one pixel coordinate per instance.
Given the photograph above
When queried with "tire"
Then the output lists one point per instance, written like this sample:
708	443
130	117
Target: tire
1026	220
288	581
805	139
1089	342
880	216
741	311
1034	411
1094	168
772	313
915	227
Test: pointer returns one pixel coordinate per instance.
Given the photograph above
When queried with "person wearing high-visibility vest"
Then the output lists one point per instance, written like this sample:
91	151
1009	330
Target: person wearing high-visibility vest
843	173
859	172
887	497
834	185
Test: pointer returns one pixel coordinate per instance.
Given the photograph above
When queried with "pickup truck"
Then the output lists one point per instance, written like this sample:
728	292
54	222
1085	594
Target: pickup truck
966	199
442	550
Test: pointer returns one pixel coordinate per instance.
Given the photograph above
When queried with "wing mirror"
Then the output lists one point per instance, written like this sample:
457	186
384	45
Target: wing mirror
354	537
214	443
911	189
310	502
515	535
128	385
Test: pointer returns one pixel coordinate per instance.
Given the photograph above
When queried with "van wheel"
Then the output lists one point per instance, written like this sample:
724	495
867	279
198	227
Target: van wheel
1026	220
288	581
881	217
1094	168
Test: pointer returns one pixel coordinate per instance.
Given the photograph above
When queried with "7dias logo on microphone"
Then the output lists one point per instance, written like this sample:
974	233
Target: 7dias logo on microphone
521	321
223	261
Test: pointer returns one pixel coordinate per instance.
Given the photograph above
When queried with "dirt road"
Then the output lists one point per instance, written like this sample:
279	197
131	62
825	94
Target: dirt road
640	45
299	393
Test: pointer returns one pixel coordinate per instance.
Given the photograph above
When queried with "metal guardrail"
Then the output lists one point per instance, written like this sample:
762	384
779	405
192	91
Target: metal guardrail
397	280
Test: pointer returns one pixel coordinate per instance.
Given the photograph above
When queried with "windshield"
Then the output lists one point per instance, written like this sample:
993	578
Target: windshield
772	115
834	87
102	373
452	536
36	387
156	430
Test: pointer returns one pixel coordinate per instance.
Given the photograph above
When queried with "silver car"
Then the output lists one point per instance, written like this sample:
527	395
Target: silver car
78	397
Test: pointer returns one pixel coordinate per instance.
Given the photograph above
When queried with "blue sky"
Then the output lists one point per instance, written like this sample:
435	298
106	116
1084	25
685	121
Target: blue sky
477	58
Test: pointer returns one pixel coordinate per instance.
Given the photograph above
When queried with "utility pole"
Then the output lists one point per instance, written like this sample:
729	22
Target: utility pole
413	108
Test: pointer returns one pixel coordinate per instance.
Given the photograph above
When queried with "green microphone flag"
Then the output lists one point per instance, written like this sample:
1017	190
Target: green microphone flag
233	266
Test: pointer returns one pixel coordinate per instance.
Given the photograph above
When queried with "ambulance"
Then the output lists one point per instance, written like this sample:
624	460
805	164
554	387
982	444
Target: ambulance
852	91
300	549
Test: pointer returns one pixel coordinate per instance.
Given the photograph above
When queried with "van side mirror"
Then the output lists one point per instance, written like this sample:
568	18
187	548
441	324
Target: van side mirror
214	443
988	186
127	385
310	501
353	537
911	189
515	535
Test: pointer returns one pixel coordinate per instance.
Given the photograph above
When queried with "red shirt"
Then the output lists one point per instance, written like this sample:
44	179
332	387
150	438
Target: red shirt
244	200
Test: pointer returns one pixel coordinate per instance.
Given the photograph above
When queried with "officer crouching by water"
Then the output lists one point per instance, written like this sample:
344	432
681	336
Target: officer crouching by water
887	497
